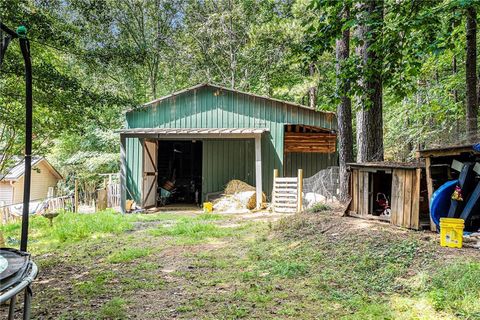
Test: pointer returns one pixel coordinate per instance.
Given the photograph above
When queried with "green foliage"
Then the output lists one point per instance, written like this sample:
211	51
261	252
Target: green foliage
319	207
94	59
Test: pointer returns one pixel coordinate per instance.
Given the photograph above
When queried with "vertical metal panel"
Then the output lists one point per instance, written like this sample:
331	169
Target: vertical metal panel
224	160
208	107
134	160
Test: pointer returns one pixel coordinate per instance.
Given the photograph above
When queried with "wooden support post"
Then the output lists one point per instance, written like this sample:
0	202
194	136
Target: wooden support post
275	176
300	190
428	173
76	195
258	169
123	174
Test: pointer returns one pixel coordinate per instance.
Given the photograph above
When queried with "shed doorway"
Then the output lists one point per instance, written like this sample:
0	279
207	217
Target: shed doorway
179	177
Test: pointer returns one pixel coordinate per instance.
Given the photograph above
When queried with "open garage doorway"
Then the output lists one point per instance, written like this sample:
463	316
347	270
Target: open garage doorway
179	167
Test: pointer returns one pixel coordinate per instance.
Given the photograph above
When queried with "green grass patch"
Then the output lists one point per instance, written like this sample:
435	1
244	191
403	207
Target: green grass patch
94	287
192	231
67	228
114	309
456	289
128	255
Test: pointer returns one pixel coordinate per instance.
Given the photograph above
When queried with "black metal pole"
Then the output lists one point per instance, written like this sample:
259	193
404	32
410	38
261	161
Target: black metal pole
25	47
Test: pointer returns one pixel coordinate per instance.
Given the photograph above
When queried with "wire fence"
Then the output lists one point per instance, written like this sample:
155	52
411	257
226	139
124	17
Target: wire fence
323	187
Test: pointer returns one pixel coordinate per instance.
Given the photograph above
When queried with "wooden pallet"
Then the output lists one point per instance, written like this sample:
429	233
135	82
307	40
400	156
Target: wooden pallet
287	193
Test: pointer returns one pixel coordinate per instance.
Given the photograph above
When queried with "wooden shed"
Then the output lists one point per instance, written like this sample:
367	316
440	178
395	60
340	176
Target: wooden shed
438	165
403	185
200	138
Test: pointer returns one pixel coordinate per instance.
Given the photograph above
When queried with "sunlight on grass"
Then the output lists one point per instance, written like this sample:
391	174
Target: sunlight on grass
67	228
456	289
416	308
189	231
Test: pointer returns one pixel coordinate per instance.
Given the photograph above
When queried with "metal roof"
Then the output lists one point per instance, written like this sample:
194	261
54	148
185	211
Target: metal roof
387	164
153	102
18	170
201	132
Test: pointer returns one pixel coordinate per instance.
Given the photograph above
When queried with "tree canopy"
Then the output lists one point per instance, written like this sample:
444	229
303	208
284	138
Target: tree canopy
93	59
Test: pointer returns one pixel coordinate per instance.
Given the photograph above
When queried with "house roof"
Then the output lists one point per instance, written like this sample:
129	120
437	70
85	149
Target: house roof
18	170
198	86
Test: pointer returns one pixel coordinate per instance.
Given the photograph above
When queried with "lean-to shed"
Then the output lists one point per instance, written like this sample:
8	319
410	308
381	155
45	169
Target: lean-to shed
189	144
393	192
439	162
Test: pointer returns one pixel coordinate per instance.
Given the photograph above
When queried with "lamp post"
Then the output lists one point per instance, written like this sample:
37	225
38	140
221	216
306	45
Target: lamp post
21	34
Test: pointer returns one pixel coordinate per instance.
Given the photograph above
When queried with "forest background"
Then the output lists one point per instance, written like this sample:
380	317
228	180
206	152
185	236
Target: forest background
401	75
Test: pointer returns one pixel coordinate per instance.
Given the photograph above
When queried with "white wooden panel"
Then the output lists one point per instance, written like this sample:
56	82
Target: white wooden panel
6	193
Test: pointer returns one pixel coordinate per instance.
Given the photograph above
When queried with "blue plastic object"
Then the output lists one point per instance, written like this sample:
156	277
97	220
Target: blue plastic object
440	202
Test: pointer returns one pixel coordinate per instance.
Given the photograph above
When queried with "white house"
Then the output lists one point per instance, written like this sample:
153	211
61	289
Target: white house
44	181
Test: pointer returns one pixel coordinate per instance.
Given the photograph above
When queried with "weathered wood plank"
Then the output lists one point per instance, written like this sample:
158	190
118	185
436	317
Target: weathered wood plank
428	174
407	198
415	221
355	191
366	194
398	183
360	193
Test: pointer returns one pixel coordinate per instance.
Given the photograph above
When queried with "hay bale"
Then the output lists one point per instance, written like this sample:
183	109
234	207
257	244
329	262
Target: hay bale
236	186
252	201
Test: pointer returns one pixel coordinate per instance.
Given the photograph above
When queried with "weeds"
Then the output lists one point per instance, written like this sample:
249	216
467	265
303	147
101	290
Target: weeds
319	207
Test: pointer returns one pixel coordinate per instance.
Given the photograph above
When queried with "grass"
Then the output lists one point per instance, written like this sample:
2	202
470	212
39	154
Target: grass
67	228
127	255
212	267
194	230
113	309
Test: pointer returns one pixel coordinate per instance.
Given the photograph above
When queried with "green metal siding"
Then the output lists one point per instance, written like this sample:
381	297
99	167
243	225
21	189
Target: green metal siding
211	107
226	160
134	167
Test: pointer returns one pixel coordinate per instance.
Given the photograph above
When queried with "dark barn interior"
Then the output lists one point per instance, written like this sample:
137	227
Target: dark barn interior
179	172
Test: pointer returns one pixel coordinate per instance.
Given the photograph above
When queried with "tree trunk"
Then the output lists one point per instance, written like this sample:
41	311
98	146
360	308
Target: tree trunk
344	110
370	118
312	91
470	72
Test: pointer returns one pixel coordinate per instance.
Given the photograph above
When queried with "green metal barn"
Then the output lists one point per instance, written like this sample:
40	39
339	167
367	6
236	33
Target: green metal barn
196	140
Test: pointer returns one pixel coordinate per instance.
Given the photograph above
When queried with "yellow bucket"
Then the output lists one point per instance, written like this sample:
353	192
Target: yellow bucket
451	232
207	207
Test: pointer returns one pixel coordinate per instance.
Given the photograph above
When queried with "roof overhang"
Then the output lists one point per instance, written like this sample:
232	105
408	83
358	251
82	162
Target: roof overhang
193	133
447	151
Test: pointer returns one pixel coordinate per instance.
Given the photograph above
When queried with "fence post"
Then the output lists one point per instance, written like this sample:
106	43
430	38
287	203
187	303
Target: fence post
76	196
300	190
275	176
